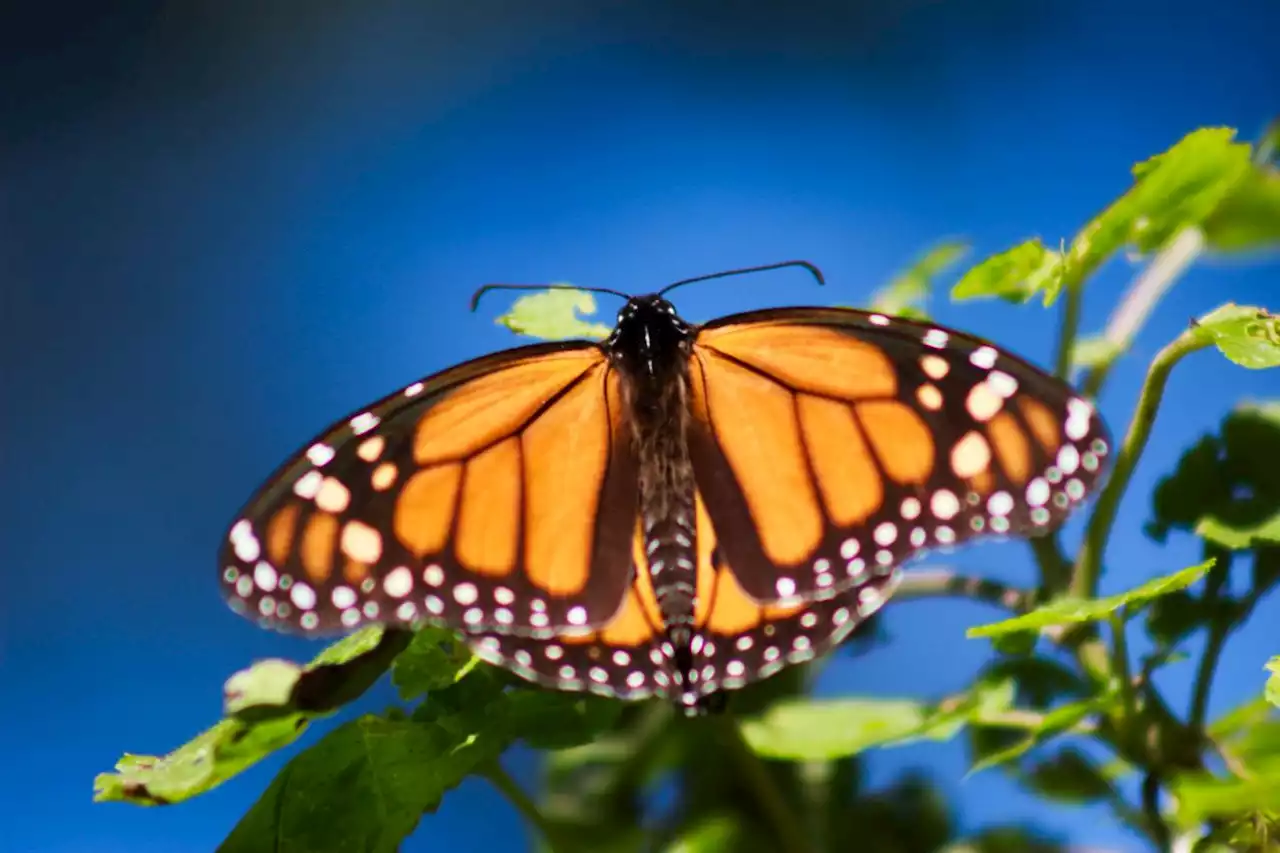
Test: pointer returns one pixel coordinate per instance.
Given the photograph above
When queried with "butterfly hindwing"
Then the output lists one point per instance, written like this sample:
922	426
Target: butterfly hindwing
486	496
829	442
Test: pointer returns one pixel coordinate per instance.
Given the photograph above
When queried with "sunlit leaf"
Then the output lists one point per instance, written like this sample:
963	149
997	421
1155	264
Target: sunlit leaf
268	705
434	659
907	293
1200	796
1015	275
554	315
1178	189
1246	335
1068	611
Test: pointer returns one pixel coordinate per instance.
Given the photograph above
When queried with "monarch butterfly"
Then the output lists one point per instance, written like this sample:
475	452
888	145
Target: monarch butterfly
673	511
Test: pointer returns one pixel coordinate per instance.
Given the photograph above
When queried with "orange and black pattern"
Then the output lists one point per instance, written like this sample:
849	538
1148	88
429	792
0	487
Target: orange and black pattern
674	511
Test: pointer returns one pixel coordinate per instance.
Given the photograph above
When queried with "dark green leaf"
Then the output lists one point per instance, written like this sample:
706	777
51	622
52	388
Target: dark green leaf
547	719
1015	275
362	788
1246	335
1068	775
1174	616
554	315
434	659
1039	680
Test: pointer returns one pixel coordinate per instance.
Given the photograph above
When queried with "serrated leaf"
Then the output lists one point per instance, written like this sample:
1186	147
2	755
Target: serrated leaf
907	293
1015	275
363	787
268	705
1172	191
554	315
1272	691
1070	611
1247	335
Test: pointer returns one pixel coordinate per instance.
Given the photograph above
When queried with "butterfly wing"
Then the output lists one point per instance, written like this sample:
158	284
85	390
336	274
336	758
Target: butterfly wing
829	443
482	497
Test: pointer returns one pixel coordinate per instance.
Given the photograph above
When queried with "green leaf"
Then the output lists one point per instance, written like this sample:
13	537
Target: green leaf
202	763
1200	796
1069	776
1246	335
363	787
1178	189
907	293
1227	488
548	719
709	835
1172	617
1015	275
824	729
268	705
434	659
1070	611
1249	218
554	315
1060	720
1272	691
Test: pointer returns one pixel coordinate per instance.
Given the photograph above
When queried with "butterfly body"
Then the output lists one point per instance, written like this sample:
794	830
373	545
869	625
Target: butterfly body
674	511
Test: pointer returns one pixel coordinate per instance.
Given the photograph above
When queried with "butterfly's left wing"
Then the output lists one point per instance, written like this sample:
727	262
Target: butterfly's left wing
497	494
831	444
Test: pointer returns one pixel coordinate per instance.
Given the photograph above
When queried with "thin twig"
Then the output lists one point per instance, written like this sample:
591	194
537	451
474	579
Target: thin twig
764	788
1120	666
1151	809
529	810
1219	629
942	582
1088	568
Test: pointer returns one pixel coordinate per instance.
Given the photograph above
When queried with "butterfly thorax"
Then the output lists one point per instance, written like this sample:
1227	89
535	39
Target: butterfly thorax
650	349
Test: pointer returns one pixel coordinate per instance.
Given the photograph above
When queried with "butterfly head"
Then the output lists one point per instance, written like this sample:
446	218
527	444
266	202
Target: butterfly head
649	334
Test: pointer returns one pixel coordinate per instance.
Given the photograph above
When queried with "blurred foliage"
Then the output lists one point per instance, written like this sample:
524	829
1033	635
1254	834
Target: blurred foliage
1062	707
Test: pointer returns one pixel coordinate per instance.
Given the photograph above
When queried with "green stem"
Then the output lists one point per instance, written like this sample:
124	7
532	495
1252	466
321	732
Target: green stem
1219	629
1069	329
1088	568
764	788
528	809
1120	668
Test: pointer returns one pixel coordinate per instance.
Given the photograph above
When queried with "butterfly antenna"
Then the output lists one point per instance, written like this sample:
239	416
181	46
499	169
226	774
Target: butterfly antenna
475	297
813	270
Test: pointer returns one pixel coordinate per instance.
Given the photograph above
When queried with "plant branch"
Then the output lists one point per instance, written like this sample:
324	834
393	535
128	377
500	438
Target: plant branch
1088	568
1070	328
529	810
1151	810
763	787
943	582
1219	629
1120	667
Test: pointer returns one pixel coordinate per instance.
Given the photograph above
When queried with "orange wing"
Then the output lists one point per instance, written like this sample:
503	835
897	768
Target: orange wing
626	656
832	444
500	494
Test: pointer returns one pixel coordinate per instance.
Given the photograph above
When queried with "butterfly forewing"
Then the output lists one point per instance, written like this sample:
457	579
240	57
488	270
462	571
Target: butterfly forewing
499	494
831	442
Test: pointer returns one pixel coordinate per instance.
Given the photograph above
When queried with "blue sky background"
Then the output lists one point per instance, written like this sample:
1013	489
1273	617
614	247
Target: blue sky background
223	225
